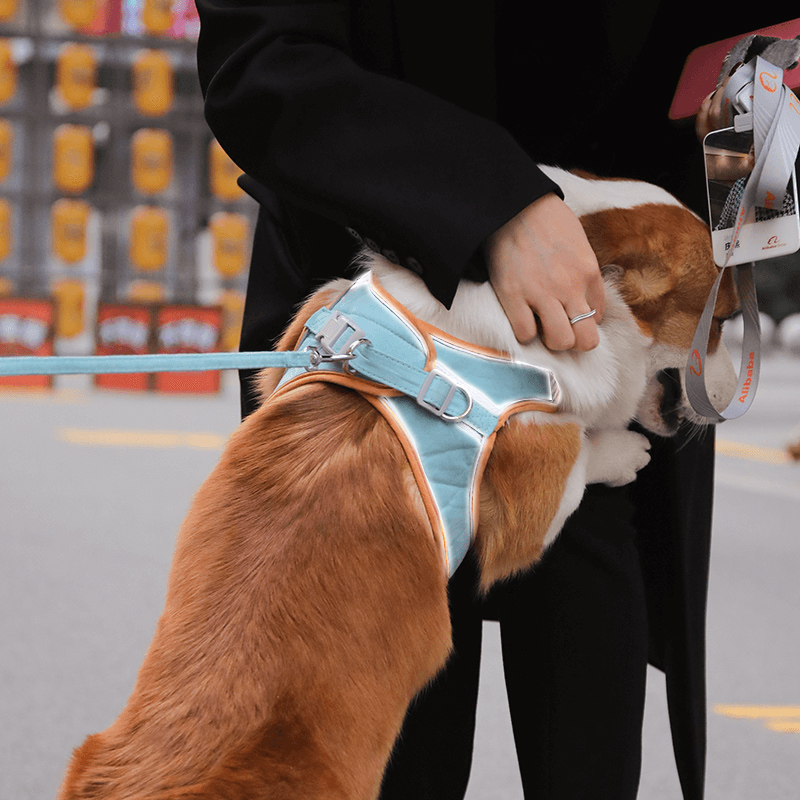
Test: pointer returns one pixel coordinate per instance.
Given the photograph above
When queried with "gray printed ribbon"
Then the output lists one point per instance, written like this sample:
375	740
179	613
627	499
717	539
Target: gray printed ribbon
776	138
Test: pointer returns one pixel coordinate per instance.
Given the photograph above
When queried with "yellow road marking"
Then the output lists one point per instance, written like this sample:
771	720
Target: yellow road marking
752	452
209	441
782	719
110	437
757	712
121	438
22	395
784	727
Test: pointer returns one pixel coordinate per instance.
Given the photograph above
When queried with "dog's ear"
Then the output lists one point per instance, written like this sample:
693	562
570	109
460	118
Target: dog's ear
613	273
628	242
645	280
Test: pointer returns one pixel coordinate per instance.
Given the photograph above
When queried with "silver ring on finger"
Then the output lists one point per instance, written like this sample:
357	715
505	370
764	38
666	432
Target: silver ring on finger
588	314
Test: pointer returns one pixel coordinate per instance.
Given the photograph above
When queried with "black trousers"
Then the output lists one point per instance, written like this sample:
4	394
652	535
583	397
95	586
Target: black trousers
574	641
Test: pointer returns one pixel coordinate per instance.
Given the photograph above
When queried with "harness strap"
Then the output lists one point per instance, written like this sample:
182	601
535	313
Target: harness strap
443	397
338	342
399	365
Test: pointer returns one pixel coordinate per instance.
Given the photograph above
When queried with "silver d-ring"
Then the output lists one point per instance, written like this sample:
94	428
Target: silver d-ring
351	352
450	417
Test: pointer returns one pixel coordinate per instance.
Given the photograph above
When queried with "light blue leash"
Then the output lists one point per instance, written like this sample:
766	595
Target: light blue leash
336	341
156	362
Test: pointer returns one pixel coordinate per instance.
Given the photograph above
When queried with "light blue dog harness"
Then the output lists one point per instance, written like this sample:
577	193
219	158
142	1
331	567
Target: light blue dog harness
444	398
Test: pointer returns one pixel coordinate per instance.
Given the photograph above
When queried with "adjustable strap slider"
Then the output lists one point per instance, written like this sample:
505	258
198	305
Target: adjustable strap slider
331	336
439	409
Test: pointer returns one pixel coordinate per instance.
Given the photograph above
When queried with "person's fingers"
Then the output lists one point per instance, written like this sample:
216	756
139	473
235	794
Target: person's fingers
596	296
713	113
541	263
585	332
521	317
557	333
702	125
587	337
705	106
719	104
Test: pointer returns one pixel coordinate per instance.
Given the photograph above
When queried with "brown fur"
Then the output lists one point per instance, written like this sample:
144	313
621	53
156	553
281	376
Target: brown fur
307	601
301	620
513	524
665	252
268	669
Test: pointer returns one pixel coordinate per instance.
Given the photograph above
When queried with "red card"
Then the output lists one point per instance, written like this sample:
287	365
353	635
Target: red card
700	72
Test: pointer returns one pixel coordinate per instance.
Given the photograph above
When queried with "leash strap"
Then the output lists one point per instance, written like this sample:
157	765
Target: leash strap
775	121
151	362
339	343
392	367
749	367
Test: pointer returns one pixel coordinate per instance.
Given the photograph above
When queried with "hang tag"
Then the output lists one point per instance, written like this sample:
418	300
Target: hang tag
765	232
749	168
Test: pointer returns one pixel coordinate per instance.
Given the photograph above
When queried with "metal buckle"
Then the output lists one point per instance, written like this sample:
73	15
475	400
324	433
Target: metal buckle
441	411
333	330
329	349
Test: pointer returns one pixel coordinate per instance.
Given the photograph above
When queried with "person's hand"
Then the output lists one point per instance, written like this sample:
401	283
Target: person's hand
713	113
542	265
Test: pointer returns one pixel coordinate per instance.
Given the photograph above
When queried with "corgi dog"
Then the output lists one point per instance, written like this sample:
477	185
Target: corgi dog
307	600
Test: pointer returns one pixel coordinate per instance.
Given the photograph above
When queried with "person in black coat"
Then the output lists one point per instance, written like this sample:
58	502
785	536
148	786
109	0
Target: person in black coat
414	129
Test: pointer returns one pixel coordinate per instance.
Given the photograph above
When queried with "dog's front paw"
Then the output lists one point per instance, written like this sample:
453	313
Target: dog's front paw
615	456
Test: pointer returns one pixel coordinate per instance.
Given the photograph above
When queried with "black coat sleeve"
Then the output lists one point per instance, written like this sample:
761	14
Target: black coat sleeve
417	174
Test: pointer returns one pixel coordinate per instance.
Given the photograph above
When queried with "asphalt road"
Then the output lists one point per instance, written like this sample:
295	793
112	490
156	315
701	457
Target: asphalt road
93	487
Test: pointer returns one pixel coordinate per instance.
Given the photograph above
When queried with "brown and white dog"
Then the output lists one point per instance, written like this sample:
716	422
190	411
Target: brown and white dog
307	602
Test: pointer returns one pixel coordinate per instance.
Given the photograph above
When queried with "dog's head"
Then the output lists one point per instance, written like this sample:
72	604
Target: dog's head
661	260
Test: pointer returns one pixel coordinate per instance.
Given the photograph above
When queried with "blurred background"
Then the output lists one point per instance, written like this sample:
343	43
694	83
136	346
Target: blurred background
122	227
123	230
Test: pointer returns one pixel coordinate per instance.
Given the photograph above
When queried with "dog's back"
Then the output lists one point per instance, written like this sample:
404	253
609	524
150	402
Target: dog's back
303	611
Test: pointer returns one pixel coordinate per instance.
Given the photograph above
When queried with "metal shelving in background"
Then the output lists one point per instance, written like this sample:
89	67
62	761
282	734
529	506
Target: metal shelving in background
113	192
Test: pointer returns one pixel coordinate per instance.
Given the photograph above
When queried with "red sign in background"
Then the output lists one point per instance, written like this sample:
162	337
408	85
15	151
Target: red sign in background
26	329
123	329
187	329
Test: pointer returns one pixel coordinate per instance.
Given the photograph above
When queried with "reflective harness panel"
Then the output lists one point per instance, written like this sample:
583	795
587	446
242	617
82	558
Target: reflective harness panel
445	399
